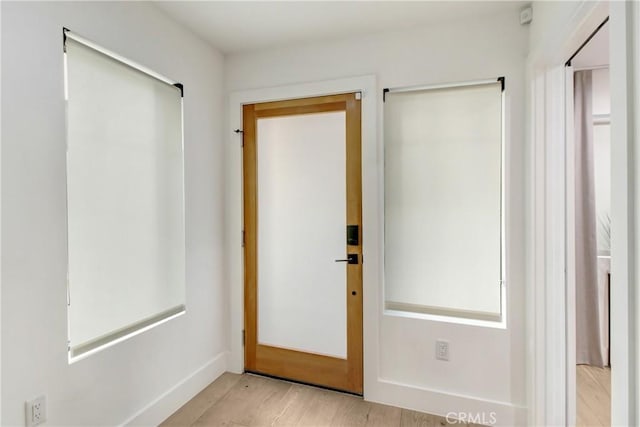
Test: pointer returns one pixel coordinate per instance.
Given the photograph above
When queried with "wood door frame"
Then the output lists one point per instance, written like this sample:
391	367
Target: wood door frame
343	374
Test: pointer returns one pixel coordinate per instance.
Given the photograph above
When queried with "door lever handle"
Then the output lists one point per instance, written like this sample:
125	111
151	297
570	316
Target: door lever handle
351	259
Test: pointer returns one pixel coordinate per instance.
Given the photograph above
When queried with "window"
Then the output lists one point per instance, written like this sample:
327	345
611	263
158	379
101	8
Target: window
126	266
443	149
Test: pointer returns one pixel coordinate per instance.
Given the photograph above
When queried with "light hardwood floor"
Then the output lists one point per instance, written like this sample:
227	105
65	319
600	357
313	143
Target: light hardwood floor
250	400
593	398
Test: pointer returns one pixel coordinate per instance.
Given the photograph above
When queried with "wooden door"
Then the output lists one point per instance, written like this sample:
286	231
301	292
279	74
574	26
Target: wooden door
302	189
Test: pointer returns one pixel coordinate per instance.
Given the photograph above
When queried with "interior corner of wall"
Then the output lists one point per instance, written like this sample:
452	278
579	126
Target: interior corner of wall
171	400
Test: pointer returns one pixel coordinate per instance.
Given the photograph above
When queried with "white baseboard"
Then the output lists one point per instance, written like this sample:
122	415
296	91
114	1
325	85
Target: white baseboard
171	400
453	406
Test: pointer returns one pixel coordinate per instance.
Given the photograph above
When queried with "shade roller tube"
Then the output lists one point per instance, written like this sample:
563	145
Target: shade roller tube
385	91
443	166
69	35
125	198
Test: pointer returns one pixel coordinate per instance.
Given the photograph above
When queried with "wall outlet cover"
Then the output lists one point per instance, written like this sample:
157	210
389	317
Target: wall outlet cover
442	350
36	411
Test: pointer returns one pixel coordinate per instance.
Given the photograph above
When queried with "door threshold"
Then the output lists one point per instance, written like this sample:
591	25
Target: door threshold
260	374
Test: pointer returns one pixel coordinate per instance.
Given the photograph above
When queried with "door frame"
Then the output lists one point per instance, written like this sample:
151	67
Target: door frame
371	224
551	326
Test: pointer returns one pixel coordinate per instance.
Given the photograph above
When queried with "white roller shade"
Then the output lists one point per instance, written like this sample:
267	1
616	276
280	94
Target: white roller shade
125	199
443	158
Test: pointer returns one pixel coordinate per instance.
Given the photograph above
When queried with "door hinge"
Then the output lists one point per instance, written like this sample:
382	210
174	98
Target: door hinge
244	238
244	336
358	96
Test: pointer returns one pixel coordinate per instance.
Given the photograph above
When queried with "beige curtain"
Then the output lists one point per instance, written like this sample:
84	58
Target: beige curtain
589	313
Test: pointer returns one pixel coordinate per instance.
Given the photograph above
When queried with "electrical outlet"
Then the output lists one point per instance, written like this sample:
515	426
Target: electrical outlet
36	411
442	350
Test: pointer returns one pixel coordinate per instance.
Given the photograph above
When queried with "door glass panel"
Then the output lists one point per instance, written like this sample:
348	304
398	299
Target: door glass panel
301	232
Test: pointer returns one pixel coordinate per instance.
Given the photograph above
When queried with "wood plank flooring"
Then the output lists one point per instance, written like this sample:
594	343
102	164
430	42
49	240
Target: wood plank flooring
593	398
250	400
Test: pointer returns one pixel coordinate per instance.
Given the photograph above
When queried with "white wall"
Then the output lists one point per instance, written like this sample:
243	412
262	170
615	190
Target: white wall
550	19
487	367
159	369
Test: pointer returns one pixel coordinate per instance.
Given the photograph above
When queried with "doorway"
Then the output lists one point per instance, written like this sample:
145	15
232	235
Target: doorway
303	240
589	227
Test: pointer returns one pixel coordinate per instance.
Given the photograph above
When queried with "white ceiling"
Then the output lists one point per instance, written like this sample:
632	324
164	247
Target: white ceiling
235	26
596	52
